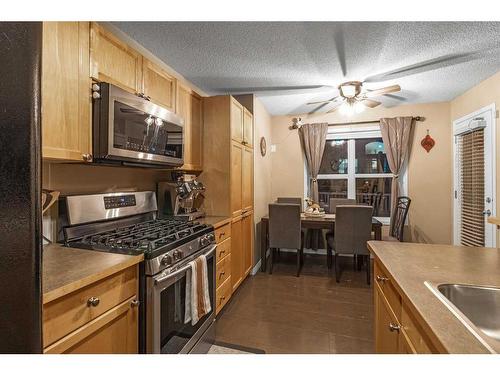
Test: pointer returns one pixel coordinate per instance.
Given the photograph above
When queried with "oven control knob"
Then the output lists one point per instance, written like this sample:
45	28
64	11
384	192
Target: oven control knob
204	241
211	237
166	260
177	255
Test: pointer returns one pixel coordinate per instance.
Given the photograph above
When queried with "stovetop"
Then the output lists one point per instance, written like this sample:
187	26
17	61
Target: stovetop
153	238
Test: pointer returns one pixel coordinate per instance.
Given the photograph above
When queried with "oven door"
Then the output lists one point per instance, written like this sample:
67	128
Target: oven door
166	331
132	129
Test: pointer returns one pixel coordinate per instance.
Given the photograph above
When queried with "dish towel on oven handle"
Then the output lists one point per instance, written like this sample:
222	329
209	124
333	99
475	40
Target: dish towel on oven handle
197	294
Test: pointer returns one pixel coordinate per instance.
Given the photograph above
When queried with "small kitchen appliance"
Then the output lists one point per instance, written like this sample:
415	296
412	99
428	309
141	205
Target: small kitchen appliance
182	199
127	223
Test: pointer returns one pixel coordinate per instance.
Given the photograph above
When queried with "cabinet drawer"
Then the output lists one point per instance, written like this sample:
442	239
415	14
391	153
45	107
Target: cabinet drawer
72	311
415	332
222	295
389	291
223	233
223	270
223	249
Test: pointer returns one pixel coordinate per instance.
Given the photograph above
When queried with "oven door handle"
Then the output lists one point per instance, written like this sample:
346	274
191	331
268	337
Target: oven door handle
181	270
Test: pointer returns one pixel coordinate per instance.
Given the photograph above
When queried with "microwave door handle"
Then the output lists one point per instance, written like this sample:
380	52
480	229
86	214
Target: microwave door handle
181	270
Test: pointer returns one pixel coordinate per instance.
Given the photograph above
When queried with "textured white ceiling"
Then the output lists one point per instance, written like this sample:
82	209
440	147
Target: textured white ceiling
431	61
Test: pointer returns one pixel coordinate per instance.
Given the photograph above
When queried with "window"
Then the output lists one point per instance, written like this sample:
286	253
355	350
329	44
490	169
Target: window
355	166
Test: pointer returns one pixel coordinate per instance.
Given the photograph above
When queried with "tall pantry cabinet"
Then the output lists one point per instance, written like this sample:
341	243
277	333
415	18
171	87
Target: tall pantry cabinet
228	175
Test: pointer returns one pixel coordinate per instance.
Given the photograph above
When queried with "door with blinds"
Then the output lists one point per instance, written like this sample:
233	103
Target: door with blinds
474	179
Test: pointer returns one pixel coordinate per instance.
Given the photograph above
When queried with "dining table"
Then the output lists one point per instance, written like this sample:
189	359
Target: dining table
326	221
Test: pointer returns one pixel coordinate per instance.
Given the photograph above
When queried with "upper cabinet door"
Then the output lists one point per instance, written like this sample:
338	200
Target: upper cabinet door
66	102
247	128
236	120
158	85
236	178
189	107
113	61
247	179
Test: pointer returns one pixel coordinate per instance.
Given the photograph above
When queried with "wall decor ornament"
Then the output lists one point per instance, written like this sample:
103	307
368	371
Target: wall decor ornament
428	142
263	146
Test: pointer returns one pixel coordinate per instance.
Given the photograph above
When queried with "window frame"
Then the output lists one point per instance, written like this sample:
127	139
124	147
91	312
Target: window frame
351	133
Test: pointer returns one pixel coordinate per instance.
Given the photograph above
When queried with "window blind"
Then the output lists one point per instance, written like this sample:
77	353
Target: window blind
471	188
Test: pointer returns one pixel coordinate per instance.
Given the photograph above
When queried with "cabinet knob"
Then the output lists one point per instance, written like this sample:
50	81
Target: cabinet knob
135	303
394	327
93	301
382	279
87	157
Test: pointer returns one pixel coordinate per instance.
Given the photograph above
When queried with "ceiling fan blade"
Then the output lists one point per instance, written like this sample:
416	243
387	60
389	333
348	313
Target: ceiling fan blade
333	109
324	101
370	103
382	91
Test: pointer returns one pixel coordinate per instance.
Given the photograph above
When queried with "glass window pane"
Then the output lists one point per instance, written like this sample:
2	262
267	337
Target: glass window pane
370	156
334	157
377	193
334	188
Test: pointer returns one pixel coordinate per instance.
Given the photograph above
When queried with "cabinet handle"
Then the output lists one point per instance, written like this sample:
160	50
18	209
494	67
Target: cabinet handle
382	279
134	303
87	157
221	274
222	234
222	251
394	327
93	301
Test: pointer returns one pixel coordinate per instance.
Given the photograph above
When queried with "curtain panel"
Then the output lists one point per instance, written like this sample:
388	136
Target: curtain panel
396	136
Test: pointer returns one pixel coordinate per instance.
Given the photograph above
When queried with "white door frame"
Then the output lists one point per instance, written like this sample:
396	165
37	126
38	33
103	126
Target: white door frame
489	113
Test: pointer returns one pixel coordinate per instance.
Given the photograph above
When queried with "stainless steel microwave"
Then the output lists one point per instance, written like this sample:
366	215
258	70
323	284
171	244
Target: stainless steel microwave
130	129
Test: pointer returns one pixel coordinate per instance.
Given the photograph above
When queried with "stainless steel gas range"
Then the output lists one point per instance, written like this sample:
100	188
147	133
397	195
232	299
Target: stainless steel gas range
127	223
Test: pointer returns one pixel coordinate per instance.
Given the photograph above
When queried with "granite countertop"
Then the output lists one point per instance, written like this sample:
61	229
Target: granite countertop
412	265
216	221
67	269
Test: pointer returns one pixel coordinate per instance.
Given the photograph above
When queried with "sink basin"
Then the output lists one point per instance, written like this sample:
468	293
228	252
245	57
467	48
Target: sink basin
480	304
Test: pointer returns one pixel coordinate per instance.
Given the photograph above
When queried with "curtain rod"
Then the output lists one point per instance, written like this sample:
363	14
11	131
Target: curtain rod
297	122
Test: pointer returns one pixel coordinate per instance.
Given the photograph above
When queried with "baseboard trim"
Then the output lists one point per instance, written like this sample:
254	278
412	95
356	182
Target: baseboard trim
256	268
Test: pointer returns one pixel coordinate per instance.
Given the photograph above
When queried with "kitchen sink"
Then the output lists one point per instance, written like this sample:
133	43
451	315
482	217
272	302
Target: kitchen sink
480	304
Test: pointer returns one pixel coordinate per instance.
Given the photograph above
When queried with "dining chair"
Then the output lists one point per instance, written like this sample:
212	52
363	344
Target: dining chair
292	200
285	231
353	228
399	215
334	202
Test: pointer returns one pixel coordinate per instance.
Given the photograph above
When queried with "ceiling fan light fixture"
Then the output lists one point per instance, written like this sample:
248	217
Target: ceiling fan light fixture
348	91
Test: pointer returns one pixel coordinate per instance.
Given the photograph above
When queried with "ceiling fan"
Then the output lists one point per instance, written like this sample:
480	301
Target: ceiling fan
353	100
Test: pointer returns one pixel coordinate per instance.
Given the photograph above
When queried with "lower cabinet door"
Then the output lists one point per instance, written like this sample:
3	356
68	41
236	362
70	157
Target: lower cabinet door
387	329
237	271
247	228
114	332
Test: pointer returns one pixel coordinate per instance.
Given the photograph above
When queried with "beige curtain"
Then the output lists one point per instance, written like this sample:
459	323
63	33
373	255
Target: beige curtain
396	136
313	139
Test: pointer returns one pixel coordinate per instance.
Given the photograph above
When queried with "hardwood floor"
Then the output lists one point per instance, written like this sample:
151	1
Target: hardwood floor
281	313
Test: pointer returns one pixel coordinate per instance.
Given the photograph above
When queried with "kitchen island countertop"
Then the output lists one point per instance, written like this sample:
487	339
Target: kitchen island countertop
414	267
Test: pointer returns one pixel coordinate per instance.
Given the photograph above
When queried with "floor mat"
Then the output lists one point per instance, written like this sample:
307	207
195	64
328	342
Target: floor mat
226	348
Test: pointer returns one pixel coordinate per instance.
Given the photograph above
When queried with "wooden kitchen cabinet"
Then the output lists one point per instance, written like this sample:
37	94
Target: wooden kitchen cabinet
66	99
396	328
223	268
247	179
190	108
158	85
98	318
247	242
237	255
236	178
113	61
247	128
237	118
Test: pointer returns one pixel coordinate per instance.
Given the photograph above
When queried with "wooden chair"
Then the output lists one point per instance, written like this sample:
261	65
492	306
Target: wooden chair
285	231
353	228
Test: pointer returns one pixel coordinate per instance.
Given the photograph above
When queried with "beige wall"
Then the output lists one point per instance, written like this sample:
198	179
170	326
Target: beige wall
262	170
429	174
485	93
